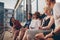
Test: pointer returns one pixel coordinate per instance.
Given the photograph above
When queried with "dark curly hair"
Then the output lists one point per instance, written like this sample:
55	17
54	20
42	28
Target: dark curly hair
37	14
53	1
30	14
11	24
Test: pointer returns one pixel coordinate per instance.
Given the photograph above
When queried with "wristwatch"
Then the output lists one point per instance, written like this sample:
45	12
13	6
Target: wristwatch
53	34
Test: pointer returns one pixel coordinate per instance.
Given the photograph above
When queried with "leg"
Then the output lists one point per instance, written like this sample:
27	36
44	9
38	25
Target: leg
21	34
13	30
50	39
15	34
39	36
29	37
25	36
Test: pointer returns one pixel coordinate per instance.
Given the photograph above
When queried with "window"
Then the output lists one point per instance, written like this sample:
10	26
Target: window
37	5
33	6
41	5
21	11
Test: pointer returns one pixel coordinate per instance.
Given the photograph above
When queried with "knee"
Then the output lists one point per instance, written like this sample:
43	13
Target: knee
16	33
28	36
39	36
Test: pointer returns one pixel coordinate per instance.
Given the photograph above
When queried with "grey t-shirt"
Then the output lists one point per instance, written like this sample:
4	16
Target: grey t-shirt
56	14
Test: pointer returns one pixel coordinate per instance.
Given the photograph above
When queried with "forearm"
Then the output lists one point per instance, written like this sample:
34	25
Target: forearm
57	30
46	28
51	22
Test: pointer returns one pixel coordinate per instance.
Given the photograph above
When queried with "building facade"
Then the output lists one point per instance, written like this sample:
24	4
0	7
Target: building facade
1	14
1	20
8	13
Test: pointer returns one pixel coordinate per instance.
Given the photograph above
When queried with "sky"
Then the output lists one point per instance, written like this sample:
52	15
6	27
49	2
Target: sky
9	3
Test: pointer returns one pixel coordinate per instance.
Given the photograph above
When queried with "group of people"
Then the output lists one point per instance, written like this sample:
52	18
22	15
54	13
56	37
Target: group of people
39	26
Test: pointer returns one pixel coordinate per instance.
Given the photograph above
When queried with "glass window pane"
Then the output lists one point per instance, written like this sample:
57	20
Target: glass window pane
33	6
41	4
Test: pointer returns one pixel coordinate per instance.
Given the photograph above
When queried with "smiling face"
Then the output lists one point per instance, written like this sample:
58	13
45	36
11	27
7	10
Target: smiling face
47	11
48	2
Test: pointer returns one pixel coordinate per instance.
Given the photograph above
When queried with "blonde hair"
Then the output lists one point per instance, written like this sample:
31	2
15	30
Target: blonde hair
47	8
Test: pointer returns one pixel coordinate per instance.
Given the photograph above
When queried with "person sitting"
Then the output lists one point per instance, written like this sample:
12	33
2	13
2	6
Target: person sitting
56	33
47	26
16	27
28	20
35	24
26	26
12	29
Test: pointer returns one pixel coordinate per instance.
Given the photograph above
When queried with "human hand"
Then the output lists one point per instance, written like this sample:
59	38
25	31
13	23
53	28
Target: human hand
39	36
45	28
48	36
40	27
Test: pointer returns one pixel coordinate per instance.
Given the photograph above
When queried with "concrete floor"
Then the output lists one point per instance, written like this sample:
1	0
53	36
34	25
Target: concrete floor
7	36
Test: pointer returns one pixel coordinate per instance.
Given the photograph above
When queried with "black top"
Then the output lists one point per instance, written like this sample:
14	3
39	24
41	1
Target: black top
43	16
46	22
11	24
27	23
17	24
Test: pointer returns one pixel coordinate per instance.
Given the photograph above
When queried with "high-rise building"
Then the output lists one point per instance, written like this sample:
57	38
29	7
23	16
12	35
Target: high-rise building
1	14
1	20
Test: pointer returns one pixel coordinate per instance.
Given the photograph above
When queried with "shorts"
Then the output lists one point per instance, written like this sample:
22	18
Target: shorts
33	32
17	28
56	37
